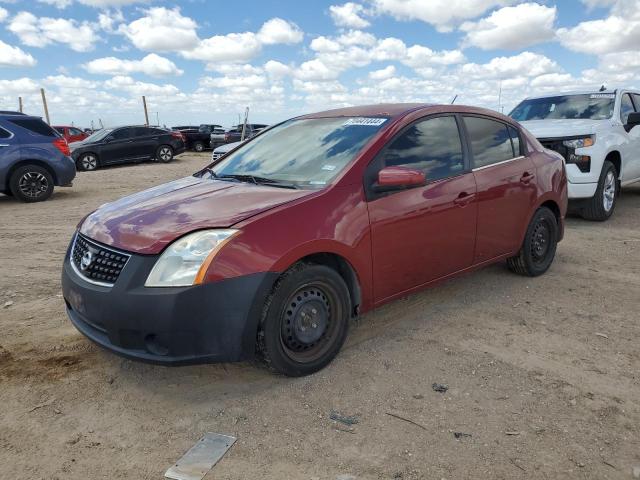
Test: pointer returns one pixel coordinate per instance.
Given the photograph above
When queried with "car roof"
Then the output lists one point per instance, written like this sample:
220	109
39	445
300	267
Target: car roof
594	91
397	110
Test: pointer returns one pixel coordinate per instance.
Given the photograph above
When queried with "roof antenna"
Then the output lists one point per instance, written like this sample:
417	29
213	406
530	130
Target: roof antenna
454	99
602	88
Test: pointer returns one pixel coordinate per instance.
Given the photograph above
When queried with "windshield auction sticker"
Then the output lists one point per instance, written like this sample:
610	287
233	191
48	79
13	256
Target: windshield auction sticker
365	122
602	95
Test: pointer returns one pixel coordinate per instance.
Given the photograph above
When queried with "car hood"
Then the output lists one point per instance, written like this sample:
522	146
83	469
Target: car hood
561	128
148	221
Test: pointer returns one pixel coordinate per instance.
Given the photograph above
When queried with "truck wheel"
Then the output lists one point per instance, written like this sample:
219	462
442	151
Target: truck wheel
31	183
164	154
198	146
539	247
601	206
304	321
87	162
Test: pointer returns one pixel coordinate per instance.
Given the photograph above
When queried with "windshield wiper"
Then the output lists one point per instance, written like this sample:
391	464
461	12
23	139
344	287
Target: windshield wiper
259	180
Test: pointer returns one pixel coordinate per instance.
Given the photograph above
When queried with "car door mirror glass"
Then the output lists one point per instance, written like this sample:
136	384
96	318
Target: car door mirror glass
633	119
399	178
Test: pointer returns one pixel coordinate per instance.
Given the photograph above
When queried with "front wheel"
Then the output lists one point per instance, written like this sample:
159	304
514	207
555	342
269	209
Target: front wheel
87	162
601	206
31	183
304	321
539	247
198	147
164	153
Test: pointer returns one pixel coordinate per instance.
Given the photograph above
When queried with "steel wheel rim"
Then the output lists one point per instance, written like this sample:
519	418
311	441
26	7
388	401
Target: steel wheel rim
199	147
89	162
165	153
33	184
609	191
306	336
540	244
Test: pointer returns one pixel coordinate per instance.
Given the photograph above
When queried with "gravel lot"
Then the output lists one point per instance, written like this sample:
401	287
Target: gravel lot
543	374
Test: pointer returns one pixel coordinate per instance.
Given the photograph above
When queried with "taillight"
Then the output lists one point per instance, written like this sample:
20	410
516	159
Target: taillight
62	145
178	135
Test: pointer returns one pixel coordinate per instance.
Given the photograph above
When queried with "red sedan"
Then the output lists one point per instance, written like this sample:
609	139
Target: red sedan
271	250
71	134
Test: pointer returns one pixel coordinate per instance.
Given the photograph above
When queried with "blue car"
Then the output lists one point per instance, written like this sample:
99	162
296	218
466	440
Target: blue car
33	158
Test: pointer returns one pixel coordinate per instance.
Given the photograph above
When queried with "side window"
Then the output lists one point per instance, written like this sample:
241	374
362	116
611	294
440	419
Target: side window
490	141
34	125
515	139
4	133
60	130
75	131
141	132
626	107
432	146
636	100
122	134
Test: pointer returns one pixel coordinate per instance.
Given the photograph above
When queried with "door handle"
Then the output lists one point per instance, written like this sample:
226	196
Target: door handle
4	144
464	198
527	177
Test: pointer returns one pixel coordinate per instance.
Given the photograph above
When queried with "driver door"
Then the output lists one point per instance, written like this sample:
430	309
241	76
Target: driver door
117	146
427	232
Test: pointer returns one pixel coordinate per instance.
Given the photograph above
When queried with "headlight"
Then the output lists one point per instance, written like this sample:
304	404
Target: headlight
580	142
186	260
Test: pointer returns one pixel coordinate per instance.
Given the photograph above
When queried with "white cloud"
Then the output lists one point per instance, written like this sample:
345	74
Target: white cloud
107	20
233	82
512	28
92	3
67	82
19	86
348	15
134	87
618	32
279	31
525	64
57	3
233	47
43	31
162	30
3	14
277	70
325	45
14	57
419	56
152	64
383	74
443	14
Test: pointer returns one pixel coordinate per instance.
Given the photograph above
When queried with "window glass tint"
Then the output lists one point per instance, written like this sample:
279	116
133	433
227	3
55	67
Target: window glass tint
142	132
490	141
122	134
626	107
515	138
432	146
60	130
34	125
4	133
596	106
636	100
75	131
157	131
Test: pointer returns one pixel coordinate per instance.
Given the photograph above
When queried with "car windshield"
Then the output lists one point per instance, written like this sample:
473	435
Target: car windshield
99	135
304	152
595	106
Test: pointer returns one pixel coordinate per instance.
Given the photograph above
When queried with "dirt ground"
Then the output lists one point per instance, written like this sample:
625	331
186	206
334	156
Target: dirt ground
543	373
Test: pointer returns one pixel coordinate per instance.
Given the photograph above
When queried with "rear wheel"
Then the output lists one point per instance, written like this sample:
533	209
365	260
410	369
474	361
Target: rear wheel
198	147
539	247
601	206
164	154
304	321
87	162
31	183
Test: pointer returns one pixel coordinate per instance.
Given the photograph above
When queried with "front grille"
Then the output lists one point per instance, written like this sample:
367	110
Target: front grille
556	145
96	263
216	156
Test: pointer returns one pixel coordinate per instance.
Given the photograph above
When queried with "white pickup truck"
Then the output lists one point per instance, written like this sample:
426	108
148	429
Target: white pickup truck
597	133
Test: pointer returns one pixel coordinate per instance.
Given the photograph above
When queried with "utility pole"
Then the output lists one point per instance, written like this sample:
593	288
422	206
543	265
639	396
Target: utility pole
244	125
146	113
44	102
157	119
20	104
500	97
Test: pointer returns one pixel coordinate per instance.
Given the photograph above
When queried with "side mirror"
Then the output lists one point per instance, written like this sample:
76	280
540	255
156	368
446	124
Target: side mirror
399	178
633	119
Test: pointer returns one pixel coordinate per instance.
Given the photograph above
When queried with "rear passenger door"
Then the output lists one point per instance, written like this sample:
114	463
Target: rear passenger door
507	190
9	153
423	233
145	142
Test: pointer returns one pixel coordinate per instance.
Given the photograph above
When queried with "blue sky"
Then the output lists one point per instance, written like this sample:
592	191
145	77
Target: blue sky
205	61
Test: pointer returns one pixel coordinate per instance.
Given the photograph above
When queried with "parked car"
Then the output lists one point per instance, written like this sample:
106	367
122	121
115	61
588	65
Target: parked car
223	149
33	158
274	248
597	134
185	127
127	144
235	134
71	134
200	139
217	137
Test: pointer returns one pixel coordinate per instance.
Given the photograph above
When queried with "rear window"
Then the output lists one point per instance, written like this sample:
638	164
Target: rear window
4	133
34	125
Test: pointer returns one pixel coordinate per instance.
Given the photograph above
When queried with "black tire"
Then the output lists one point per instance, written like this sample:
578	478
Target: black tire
198	146
164	153
601	206
304	321
539	247
88	162
31	183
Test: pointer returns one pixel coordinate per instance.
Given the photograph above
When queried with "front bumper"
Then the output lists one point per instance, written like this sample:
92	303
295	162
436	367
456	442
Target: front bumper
581	190
201	324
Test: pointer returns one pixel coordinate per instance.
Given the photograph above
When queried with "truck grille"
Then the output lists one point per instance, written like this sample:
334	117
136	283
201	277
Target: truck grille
556	145
97	264
216	156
